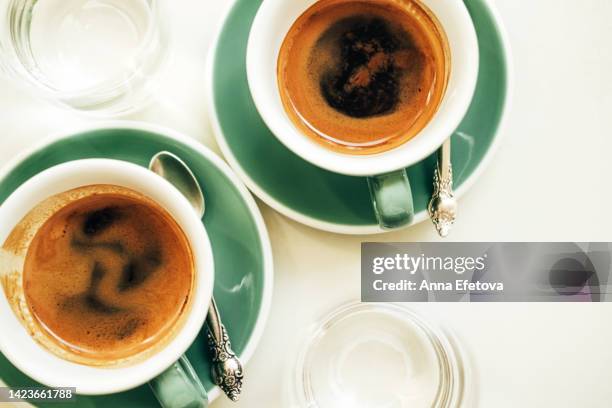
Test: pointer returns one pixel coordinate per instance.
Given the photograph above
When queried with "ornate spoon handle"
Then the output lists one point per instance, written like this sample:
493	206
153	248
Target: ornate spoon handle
443	206
226	369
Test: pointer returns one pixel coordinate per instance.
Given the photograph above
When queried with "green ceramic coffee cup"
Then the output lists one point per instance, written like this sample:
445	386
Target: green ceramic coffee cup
167	378
389	185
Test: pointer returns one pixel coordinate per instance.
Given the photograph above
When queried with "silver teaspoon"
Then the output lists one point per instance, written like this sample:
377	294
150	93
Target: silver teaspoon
443	206
226	369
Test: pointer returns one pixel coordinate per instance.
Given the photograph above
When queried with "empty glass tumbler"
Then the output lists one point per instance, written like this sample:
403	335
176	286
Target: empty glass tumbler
371	355
99	56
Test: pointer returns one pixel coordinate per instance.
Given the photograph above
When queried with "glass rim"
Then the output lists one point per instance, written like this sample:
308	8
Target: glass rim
453	389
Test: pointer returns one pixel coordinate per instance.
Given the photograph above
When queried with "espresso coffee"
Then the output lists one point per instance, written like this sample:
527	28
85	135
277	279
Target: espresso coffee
363	76
108	275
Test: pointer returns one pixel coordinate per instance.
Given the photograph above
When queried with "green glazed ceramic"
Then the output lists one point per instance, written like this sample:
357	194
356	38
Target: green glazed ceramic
328	200
243	260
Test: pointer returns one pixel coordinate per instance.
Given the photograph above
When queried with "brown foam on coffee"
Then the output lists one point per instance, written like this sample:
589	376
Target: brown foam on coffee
363	76
106	274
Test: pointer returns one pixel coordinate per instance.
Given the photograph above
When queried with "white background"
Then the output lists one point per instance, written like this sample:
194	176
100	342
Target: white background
549	181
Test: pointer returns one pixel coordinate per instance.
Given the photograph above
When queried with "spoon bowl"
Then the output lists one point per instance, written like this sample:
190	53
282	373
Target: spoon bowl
173	169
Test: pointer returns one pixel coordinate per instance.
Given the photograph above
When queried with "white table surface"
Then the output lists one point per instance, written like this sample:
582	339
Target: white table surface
549	181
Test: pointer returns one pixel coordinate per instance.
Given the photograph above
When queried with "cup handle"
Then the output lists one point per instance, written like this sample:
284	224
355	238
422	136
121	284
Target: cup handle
179	387
392	199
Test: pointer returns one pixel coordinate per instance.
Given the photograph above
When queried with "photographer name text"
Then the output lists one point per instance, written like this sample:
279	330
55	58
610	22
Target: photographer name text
458	285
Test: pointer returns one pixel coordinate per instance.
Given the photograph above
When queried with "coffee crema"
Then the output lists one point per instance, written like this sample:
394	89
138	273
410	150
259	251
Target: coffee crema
107	276
362	76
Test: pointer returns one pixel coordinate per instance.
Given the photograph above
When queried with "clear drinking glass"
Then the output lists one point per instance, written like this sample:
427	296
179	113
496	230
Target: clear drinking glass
99	56
370	355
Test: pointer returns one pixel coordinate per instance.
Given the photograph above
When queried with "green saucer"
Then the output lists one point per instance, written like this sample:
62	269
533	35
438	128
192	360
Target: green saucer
320	198
243	260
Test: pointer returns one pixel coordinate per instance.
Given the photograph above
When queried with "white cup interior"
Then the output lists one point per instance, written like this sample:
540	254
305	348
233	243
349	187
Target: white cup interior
271	25
47	368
